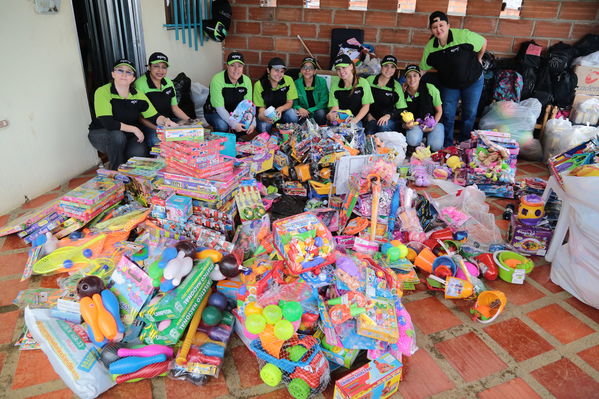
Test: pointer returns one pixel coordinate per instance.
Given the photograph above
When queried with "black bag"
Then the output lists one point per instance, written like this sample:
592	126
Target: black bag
529	54
587	45
563	88
217	27
183	89
544	85
529	79
560	56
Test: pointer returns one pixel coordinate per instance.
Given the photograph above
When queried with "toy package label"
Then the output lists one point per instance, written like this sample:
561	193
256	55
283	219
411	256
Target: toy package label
244	113
379	321
249	203
132	287
530	240
378	379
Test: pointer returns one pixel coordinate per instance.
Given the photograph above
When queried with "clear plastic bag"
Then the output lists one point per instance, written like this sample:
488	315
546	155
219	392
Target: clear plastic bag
199	95
555	129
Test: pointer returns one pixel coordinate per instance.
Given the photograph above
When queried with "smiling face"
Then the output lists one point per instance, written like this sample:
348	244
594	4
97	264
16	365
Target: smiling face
388	70
345	72
235	70
275	74
440	30
413	80
123	75
158	70
308	71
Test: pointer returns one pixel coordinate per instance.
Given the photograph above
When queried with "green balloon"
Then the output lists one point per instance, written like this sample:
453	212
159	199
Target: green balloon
296	353
211	316
403	251
292	310
393	254
255	323
272	314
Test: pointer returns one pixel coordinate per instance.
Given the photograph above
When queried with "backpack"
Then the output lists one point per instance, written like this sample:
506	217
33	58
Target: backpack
560	56
529	80
544	85
508	86
529	54
217	27
563	88
183	89
587	45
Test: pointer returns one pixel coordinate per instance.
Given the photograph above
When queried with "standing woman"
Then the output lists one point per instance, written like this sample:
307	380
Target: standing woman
387	95
348	91
456	54
160	90
115	129
275	89
420	100
312	93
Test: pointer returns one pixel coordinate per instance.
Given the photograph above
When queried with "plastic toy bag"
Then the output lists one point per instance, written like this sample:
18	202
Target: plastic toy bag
518	119
586	112
588	60
71	354
199	95
555	129
396	142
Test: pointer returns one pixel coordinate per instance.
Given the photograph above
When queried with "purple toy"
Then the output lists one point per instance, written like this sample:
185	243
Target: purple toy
428	121
421	178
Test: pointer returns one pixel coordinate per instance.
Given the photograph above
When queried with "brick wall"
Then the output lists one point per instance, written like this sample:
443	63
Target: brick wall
262	33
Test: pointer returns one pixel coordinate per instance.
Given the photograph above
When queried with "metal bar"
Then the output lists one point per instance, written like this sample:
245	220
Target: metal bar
176	12
195	22
189	28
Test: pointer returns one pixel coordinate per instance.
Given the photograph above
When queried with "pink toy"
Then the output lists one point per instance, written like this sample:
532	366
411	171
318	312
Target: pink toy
147	351
428	121
176	269
421	178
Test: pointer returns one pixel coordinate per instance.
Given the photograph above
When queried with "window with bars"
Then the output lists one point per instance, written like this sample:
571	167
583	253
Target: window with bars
268	3
312	3
510	9
457	7
360	5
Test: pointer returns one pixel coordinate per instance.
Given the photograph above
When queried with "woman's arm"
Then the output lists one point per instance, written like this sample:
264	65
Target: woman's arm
261	115
361	114
179	113
480	54
147	123
284	107
133	129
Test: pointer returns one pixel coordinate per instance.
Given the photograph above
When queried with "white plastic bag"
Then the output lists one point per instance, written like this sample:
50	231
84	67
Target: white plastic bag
199	94
588	60
74	360
555	129
577	135
395	141
586	112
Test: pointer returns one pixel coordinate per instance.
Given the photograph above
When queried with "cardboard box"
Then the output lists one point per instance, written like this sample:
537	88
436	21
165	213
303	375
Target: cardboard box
378	379
529	240
588	80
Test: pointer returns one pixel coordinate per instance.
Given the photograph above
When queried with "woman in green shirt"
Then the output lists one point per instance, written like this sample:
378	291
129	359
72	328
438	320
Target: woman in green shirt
388	97
312	93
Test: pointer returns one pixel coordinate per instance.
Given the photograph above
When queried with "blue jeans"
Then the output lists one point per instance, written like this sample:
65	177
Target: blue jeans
372	127
289	116
119	146
434	138
470	97
217	123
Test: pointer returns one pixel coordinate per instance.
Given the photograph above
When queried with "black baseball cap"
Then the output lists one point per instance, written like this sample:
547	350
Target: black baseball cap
412	68
234	57
124	61
389	59
277	63
309	60
342	60
436	17
156	58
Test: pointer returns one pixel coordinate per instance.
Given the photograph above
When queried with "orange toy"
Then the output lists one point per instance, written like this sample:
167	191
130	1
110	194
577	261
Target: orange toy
88	310
106	322
270	342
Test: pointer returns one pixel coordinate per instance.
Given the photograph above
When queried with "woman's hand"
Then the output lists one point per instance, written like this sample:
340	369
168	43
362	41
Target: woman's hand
279	112
383	120
427	129
139	134
332	116
408	125
164	121
239	128
303	113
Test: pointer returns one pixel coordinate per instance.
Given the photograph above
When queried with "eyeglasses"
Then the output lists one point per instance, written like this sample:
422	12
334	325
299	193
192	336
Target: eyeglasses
308	68
124	72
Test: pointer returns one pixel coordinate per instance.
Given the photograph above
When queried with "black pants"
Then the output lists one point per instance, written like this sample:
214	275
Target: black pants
119	146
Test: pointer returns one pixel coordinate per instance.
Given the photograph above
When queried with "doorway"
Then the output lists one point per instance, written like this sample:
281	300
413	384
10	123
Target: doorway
107	30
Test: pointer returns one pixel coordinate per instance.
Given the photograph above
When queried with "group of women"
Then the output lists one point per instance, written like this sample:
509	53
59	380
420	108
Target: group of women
124	112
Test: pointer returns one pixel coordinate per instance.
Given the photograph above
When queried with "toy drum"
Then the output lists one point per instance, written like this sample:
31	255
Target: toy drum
531	210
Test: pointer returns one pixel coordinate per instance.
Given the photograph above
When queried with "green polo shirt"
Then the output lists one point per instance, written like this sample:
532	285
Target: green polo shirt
224	93
432	90
162	98
110	106
285	91
311	98
457	61
341	96
387	99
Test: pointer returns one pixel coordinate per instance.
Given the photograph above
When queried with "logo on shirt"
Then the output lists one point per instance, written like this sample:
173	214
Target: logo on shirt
169	91
358	91
284	89
454	50
389	94
134	102
241	90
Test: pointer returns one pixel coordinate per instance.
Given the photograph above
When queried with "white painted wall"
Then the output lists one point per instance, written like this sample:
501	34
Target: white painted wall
199	65
43	98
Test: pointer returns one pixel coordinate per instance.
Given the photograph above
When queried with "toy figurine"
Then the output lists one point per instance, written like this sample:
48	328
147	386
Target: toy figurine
428	121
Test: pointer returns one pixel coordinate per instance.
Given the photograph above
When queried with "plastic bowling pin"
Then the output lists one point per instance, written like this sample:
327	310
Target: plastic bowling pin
131	364
111	303
149	371
146	351
89	312
106	322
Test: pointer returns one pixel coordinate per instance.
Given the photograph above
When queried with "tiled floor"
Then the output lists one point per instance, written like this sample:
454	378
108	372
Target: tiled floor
544	345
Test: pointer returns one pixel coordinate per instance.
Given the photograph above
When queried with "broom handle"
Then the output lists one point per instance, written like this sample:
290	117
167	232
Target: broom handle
308	50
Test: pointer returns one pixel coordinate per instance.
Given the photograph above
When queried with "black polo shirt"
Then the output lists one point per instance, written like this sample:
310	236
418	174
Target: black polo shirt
111	109
162	98
224	93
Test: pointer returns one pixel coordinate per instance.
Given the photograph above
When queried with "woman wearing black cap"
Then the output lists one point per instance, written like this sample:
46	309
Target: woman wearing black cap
227	89
422	100
160	90
387	95
348	91
456	54
312	93
118	106
277	90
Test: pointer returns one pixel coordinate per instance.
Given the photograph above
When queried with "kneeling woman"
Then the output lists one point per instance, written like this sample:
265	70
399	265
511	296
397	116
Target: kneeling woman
388	97
348	91
115	129
420	101
277	90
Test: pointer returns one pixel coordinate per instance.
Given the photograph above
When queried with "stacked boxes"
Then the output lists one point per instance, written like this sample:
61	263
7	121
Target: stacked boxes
91	198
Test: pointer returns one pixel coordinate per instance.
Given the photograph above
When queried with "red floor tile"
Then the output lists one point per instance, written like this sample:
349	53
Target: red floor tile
247	366
278	394
589	311
50	281
540	274
138	390
423	378
39	201
514	389
76	182
517	294
431	315
3	220
33	360
560	323
470	356
2	359
9	290
591	356
8	321
518	339
62	394
14	242
176	389
566	380
12	264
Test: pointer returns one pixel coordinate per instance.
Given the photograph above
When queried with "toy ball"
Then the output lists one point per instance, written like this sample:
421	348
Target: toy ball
271	375
385	247
252	308
211	316
395	243
228	265
90	285
255	323
218	300
403	251
296	353
186	246
214	255
393	254
272	314
284	330
292	310
299	388
325	173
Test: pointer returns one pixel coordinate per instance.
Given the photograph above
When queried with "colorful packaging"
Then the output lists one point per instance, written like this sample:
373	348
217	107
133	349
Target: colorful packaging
132	287
377	379
178	208
529	240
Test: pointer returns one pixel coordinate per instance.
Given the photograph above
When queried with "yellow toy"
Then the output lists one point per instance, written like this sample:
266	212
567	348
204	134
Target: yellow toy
454	163
408	117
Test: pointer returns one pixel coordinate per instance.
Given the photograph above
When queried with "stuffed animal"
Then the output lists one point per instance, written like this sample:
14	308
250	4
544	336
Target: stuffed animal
454	162
428	121
421	178
408	117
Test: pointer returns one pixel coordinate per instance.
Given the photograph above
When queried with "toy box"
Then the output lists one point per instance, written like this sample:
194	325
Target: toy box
530	240
244	113
178	208
378	379
190	131
336	354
